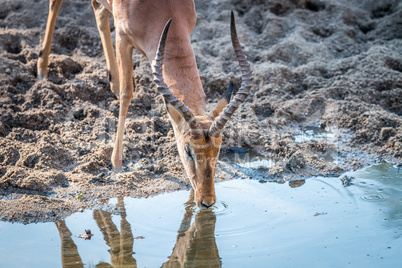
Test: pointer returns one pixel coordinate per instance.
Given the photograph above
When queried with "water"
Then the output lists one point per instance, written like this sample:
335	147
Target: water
247	159
252	160
314	223
314	133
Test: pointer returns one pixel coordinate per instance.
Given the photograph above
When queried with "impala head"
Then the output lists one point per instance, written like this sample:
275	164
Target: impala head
198	137
199	150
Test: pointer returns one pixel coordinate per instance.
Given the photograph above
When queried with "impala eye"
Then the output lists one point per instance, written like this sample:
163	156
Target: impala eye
188	150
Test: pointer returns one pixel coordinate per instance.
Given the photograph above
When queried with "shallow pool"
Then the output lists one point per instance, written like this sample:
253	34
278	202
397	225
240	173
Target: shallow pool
312	223
315	133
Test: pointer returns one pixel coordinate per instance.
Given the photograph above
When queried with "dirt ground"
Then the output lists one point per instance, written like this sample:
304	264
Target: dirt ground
336	65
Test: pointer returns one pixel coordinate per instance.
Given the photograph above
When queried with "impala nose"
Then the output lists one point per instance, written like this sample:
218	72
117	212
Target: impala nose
207	204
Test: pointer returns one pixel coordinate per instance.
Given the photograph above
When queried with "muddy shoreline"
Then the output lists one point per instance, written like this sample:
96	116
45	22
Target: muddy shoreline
334	65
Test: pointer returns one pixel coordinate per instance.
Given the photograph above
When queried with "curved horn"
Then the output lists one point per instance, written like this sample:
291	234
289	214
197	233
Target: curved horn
163	88
244	90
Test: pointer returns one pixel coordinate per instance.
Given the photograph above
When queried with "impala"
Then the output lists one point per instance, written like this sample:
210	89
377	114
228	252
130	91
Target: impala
138	25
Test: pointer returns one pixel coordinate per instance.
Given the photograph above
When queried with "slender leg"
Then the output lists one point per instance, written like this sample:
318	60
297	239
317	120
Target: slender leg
43	60
120	242
124	52
102	20
69	252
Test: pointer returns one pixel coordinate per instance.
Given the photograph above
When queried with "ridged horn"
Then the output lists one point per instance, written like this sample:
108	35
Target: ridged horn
157	64
247	79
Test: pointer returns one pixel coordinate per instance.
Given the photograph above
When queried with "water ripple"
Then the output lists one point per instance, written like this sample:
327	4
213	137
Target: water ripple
374	197
222	209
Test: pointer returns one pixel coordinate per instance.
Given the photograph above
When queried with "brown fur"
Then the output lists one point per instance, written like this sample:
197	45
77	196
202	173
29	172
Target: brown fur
139	25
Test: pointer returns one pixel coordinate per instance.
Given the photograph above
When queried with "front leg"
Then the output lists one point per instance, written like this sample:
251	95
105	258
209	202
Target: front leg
124	52
43	60
69	251
102	21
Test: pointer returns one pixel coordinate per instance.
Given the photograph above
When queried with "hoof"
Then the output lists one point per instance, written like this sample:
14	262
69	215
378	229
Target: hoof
116	166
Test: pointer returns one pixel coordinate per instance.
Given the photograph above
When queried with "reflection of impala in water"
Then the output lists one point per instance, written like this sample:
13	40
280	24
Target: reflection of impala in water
195	245
69	252
120	242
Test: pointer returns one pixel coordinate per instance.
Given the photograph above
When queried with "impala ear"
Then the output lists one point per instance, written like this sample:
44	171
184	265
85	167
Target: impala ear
223	102
174	114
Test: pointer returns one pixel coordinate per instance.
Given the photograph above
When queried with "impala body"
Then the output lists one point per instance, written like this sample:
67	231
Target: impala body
160	30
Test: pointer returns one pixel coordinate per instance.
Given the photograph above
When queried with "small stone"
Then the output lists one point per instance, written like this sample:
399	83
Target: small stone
346	180
387	132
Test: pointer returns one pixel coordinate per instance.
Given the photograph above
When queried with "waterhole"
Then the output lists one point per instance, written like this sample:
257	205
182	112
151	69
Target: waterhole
314	133
247	159
317	223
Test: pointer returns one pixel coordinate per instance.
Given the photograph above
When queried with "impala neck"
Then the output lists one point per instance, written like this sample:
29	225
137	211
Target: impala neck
181	74
183	79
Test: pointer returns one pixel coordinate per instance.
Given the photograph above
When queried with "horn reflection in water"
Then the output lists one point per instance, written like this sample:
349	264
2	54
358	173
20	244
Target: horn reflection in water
195	245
